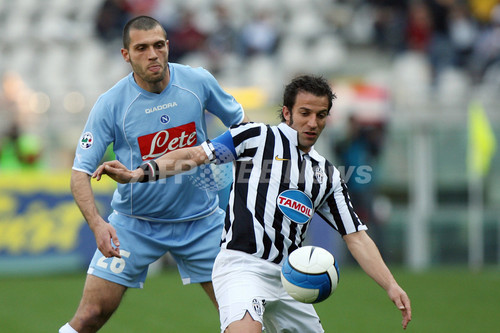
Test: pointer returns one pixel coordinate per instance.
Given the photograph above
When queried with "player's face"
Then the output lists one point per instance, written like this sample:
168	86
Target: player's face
148	56
308	117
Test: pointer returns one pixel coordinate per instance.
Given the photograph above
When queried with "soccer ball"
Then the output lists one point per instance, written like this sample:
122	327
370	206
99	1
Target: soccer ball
310	274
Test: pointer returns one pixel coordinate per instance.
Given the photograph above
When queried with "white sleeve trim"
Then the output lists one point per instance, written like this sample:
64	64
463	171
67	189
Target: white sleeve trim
83	170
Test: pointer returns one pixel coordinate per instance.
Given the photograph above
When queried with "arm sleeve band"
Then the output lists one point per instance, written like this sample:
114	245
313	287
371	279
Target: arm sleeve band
224	147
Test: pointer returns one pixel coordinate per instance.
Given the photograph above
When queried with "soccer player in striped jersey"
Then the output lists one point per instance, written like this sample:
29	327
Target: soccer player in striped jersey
280	181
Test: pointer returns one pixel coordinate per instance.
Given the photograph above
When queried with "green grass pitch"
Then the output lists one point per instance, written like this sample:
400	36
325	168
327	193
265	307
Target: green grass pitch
444	300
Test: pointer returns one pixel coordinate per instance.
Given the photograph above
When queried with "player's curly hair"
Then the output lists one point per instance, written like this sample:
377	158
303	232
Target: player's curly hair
139	23
316	85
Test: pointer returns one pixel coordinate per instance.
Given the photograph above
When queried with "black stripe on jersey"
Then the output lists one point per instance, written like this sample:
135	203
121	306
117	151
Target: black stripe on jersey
295	227
243	236
302	171
286	164
332	204
227	226
329	170
248	152
245	135
329	185
263	187
238	125
354	217
284	185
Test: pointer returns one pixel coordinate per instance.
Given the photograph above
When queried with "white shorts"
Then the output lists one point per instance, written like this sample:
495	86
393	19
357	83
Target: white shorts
244	283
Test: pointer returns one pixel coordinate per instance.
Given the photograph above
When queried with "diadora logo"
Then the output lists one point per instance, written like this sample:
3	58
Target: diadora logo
295	205
161	107
157	144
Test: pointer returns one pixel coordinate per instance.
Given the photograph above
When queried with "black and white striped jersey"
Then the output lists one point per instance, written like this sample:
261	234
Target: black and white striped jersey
277	188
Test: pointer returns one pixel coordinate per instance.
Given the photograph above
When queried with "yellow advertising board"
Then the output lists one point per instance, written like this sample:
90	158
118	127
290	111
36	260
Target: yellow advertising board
41	228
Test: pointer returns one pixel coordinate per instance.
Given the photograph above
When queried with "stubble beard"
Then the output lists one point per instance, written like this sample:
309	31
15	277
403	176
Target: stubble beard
150	78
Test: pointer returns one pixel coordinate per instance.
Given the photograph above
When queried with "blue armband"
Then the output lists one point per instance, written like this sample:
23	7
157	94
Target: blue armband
221	149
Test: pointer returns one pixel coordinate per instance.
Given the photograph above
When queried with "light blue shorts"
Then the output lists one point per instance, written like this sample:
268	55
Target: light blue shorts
194	246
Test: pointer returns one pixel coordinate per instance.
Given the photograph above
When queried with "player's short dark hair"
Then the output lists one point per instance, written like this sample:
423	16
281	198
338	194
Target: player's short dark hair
139	23
316	85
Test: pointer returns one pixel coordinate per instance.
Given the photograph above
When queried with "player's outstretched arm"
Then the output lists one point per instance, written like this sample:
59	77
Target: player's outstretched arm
368	256
170	164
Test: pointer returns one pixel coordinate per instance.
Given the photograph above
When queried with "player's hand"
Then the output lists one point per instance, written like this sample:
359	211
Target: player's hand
115	170
402	302
103	233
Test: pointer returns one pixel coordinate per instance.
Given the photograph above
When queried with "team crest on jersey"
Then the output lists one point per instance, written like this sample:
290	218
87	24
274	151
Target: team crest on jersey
164	119
295	205
259	308
87	140
319	175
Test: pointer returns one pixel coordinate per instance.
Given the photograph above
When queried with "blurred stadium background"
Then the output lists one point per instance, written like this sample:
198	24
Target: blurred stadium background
408	75
407	72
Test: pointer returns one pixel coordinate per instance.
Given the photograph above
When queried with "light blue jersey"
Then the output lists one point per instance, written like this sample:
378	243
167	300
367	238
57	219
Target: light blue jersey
143	126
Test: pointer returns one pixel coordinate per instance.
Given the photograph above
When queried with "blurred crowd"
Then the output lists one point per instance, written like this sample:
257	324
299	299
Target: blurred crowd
452	33
190	31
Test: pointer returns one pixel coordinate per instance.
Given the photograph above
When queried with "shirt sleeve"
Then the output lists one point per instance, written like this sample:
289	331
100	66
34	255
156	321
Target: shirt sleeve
222	104
96	137
236	142
337	209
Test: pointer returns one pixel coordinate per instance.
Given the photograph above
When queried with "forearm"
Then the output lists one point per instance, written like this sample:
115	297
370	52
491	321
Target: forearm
181	160
368	256
173	163
170	164
103	231
84	197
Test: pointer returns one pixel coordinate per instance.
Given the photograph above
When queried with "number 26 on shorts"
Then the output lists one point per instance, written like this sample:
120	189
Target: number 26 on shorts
117	265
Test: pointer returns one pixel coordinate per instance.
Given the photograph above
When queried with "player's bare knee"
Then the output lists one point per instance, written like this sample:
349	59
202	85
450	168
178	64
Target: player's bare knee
93	316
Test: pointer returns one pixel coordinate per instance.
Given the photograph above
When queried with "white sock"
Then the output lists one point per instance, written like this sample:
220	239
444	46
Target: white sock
67	329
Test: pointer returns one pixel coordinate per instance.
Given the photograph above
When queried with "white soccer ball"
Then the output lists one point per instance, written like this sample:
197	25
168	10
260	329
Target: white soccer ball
310	274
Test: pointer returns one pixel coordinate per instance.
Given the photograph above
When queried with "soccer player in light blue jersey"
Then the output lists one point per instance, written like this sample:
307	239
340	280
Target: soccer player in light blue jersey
157	108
